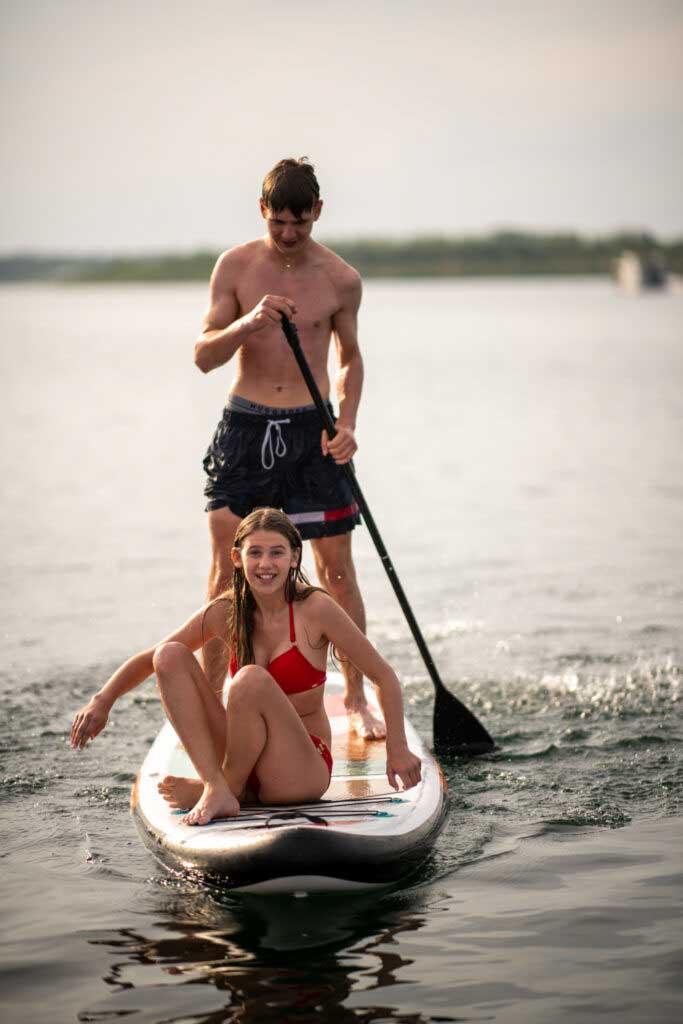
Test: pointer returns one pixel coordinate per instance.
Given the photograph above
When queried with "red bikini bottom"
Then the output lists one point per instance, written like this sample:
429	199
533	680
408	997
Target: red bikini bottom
320	746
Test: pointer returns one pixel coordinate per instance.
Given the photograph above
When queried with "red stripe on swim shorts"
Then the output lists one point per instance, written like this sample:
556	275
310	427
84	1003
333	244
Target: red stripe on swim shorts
341	513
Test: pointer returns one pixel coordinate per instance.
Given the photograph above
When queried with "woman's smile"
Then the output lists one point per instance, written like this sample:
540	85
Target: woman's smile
266	577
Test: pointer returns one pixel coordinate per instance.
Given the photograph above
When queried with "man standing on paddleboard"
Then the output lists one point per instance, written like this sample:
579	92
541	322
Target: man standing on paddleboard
268	449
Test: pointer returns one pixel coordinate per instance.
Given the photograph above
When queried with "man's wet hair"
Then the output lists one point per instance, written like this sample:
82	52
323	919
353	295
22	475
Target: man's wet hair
291	185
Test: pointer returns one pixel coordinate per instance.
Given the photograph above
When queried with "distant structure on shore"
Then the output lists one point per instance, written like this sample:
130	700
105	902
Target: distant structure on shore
635	271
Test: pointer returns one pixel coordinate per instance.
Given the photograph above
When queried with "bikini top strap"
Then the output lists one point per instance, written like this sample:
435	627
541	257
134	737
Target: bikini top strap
292	634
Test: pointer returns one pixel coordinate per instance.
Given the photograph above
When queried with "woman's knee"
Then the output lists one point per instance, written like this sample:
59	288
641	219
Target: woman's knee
169	657
250	686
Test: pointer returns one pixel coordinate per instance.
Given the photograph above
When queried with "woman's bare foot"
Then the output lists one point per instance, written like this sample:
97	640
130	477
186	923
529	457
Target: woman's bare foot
216	801
180	793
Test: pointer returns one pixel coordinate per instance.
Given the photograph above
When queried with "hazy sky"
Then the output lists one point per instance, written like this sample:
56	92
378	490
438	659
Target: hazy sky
149	125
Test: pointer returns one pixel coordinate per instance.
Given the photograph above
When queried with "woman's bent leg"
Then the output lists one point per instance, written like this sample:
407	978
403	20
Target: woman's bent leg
197	722
265	735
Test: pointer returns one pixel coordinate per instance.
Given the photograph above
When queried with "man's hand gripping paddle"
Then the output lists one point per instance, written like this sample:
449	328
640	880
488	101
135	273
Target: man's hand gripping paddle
456	730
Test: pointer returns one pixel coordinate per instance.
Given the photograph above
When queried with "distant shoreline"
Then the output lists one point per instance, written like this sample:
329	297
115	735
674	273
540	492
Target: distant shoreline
503	253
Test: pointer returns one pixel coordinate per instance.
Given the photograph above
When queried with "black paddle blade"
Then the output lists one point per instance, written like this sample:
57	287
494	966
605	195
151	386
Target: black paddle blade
457	733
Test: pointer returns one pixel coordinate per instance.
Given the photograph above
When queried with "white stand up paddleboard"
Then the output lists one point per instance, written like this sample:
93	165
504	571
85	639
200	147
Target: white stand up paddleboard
362	834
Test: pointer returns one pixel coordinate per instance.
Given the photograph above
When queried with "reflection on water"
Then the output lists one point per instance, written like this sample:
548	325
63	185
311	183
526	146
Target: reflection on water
256	959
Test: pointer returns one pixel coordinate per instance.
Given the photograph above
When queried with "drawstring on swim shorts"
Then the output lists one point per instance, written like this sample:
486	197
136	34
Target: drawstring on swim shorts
268	453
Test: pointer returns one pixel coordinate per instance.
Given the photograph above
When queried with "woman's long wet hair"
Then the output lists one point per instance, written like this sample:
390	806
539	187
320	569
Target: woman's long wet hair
242	604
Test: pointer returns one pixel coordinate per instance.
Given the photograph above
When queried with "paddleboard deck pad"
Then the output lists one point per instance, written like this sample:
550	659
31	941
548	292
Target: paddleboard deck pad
362	834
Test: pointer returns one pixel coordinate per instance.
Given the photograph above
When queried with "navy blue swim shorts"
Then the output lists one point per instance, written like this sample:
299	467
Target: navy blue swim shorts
262	456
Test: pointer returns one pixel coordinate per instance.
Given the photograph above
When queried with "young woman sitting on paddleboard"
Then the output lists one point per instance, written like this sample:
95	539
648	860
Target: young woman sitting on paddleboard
273	741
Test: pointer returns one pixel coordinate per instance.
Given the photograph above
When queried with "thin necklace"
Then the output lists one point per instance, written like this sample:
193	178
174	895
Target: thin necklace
288	263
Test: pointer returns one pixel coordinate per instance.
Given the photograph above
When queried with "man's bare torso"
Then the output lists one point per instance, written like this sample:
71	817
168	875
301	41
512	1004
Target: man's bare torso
265	370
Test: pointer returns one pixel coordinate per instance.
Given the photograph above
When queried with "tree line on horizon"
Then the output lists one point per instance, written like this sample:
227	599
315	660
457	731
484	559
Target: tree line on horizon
502	253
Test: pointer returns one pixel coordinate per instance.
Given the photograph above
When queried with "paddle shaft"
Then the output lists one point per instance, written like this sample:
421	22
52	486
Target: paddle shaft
292	336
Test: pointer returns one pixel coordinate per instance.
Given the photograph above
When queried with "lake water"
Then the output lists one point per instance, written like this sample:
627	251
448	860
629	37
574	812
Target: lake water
522	452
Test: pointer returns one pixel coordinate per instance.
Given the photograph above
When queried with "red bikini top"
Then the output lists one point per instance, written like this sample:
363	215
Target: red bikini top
291	670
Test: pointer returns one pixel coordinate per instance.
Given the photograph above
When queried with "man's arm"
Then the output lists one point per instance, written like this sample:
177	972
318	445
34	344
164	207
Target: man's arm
223	331
221	336
349	384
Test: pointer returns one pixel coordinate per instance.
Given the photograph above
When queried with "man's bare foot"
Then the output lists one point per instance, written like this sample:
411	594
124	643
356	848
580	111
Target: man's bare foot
180	793
216	801
364	722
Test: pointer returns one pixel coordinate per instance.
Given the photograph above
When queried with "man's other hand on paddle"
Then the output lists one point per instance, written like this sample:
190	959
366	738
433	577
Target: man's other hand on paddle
269	311
343	445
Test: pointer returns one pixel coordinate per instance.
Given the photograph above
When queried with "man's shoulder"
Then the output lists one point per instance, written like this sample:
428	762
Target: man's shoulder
241	255
343	274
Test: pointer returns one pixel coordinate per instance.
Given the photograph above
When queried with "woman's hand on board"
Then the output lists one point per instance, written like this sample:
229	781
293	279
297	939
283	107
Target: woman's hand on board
89	722
404	765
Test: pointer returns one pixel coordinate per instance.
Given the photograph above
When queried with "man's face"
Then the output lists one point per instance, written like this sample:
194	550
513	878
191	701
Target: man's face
289	234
